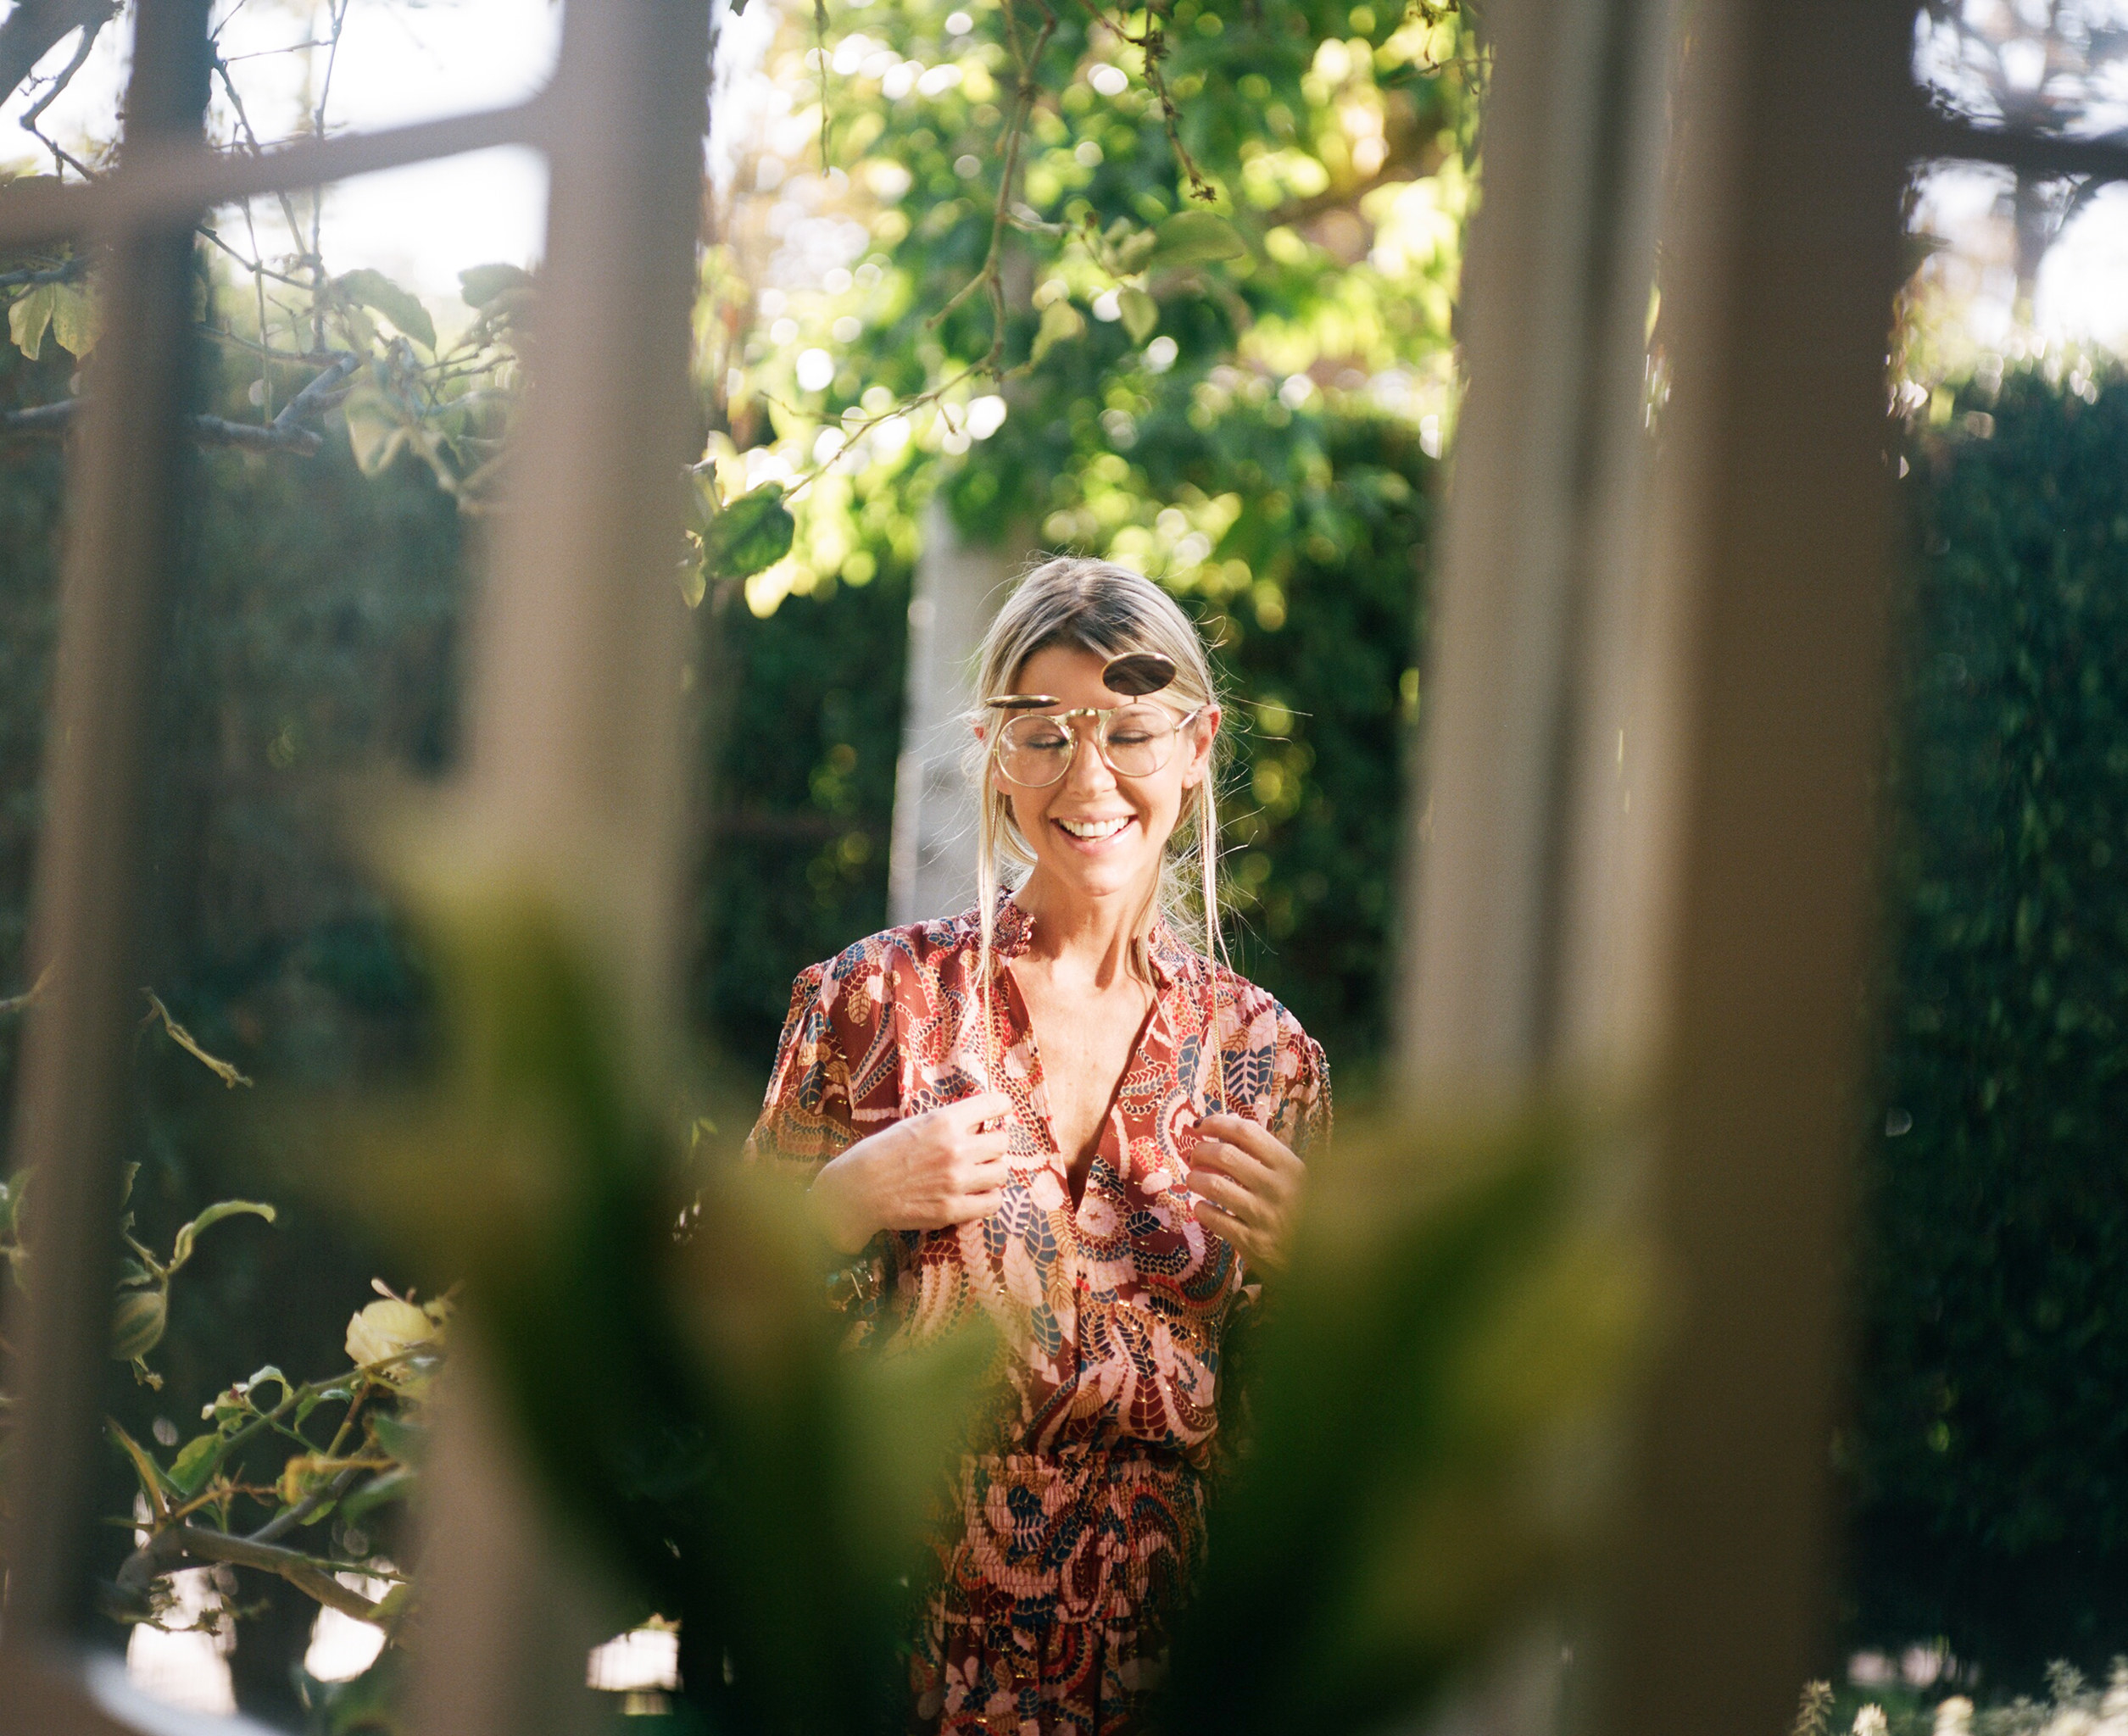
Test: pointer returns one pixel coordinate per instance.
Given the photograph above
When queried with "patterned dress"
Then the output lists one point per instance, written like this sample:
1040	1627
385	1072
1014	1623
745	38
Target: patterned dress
1075	1527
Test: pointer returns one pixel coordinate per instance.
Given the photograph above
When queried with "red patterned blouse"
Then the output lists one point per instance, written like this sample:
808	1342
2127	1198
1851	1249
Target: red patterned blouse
1069	1540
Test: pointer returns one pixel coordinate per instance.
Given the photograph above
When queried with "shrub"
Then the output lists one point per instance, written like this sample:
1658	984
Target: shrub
1987	1461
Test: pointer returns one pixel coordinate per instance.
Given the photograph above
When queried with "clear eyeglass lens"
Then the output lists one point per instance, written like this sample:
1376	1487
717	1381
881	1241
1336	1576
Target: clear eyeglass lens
1036	751
1139	738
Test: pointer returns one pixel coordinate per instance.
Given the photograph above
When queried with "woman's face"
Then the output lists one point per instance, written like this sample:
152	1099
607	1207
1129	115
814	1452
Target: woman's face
1095	834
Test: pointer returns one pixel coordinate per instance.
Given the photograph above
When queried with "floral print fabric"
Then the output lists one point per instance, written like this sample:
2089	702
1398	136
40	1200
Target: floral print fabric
1075	1526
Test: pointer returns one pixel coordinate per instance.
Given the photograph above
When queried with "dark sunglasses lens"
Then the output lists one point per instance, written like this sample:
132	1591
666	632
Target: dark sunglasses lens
1138	673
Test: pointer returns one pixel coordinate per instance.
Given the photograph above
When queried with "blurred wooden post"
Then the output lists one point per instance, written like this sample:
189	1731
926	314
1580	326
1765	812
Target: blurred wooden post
1746	916
574	764
574	718
124	513
1645	865
959	585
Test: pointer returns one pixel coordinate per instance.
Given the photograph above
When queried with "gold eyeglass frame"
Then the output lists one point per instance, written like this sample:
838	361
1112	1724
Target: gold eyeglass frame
1138	674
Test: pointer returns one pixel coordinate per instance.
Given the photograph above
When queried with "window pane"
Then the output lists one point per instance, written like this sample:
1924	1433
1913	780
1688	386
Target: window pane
288	69
315	654
1988	1534
2051	66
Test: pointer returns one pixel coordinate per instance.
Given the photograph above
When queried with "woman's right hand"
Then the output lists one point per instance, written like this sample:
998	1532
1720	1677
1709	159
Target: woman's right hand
924	1173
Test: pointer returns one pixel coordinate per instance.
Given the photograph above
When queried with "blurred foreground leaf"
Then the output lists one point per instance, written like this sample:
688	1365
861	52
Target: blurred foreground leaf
683	1390
1433	1390
1419	1444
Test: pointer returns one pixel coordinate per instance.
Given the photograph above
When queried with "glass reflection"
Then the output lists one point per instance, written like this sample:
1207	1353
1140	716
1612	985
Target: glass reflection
2049	66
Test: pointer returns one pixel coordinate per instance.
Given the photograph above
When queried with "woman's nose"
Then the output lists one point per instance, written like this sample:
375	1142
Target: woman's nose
1090	770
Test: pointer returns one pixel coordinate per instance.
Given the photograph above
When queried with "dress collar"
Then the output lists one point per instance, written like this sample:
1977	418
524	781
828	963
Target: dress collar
1012	931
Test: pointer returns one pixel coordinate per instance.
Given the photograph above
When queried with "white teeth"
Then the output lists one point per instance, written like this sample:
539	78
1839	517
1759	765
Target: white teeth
1094	828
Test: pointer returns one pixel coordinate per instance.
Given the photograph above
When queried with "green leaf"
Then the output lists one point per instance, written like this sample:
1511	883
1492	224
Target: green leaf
703	504
196	1463
373	290
695	583
379	1491
1194	238
75	322
753	532
28	316
404	1441
182	1249
1133	250
1061	323
153	1477
375	431
1141	314
479	285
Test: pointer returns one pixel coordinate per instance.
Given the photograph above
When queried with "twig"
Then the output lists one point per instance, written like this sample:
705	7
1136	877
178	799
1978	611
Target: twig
67	271
321	394
55	418
257	266
283	434
42	419
243	119
1153	46
92	28
31	996
282	1523
251	436
183	1038
990	279
819	53
196	1543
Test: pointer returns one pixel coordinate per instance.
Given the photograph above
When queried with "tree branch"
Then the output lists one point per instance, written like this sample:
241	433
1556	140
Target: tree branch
321	394
34	27
66	271
283	434
182	1545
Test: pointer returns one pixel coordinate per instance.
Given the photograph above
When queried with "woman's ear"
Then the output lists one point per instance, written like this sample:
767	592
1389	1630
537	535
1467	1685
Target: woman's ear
1202	733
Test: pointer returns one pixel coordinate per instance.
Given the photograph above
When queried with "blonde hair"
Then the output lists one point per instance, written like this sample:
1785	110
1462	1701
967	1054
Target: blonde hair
1096	606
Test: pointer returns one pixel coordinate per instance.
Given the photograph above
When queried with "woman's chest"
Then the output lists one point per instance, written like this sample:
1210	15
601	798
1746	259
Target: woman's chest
1080	1048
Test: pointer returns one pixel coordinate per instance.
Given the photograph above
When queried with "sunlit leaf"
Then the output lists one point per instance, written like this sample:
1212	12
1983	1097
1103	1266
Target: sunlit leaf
28	316
195	1463
182	1249
1194	238
373	290
1061	322
480	284
76	320
376	432
1141	314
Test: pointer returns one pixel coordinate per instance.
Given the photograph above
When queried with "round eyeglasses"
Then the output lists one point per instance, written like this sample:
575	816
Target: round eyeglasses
1035	749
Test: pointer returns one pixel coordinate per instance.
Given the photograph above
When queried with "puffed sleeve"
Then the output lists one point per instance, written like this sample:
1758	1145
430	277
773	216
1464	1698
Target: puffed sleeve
1303	1119
807	1119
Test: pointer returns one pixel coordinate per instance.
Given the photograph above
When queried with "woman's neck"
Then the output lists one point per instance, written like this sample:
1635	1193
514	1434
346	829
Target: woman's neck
1091	940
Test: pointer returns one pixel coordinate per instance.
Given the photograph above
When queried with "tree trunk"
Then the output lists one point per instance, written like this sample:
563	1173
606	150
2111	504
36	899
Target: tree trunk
959	585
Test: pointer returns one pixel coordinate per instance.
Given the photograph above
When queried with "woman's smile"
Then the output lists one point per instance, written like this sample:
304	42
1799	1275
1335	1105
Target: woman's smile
1089	832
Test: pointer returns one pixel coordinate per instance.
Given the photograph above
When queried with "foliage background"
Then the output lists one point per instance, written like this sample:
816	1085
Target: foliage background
1985	1458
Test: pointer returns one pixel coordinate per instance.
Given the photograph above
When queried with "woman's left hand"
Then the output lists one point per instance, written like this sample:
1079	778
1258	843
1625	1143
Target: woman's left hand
1248	1185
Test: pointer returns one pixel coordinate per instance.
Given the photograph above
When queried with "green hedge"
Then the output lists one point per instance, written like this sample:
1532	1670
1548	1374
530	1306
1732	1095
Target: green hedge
1987	1456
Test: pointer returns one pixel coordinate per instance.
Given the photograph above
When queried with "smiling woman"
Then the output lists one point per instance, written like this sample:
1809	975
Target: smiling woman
1053	1115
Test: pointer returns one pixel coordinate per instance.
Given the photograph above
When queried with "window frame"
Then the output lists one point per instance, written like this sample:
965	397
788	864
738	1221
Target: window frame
573	716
